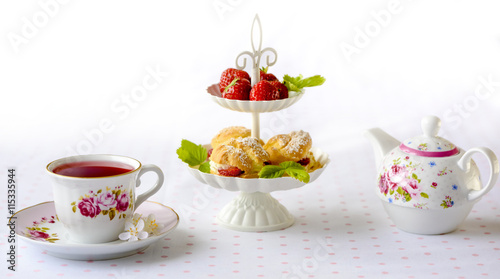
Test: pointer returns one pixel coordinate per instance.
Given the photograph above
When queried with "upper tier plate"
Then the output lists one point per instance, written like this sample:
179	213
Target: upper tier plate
250	106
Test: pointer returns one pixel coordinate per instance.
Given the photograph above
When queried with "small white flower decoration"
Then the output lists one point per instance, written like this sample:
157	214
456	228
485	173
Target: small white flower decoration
135	218
151	226
134	232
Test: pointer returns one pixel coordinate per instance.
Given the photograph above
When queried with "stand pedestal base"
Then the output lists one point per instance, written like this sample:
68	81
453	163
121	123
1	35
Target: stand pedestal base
255	212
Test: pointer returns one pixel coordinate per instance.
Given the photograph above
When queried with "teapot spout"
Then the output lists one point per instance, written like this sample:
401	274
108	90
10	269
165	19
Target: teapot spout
382	143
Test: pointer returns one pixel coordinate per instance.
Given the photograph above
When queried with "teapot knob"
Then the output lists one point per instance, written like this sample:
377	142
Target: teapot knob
431	125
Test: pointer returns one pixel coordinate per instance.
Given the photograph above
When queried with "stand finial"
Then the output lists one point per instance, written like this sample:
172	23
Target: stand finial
256	53
256	56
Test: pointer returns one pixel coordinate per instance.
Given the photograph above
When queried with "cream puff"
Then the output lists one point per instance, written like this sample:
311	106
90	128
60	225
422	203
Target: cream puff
228	133
295	147
243	157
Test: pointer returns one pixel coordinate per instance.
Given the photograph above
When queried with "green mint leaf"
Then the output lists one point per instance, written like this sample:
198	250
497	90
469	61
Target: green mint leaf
312	81
293	169
291	164
205	167
298	83
296	171
271	171
191	153
292	83
301	175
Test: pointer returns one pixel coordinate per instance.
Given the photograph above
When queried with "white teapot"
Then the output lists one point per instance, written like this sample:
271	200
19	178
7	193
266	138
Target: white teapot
428	185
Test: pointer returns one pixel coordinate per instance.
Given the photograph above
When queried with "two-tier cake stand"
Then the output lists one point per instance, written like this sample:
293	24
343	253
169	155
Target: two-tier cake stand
254	209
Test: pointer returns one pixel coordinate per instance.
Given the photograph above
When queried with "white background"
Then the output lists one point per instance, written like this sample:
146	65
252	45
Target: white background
61	82
68	68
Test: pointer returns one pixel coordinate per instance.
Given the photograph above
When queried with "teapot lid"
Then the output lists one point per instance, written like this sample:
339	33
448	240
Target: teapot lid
429	144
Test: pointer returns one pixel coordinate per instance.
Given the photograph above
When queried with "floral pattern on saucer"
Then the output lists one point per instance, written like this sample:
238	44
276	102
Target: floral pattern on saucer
111	202
165	221
40	231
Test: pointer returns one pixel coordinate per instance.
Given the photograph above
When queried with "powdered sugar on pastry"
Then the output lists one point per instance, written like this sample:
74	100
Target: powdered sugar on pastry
299	141
290	147
230	133
246	154
251	146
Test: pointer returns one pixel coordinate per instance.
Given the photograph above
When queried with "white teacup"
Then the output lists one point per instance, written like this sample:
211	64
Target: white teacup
94	194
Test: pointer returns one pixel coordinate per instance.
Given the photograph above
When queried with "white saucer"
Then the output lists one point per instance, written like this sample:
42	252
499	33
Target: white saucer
57	244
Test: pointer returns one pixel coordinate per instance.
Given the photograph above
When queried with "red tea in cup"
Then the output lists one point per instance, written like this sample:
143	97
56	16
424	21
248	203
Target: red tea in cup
92	169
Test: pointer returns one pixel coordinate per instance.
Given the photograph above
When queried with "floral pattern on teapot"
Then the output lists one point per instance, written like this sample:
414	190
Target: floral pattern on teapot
436	181
401	183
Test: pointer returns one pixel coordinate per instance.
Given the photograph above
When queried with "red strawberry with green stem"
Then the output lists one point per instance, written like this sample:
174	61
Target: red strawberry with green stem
266	76
264	91
282	89
238	89
229	75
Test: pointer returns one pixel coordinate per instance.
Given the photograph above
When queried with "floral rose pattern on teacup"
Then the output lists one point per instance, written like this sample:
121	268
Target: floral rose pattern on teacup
123	202
88	207
109	202
40	233
106	200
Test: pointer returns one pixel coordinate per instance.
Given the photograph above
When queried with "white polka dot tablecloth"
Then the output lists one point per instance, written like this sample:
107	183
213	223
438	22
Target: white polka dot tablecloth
340	231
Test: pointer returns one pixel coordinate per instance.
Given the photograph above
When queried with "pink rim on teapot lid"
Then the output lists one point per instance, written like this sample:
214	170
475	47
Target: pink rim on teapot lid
429	144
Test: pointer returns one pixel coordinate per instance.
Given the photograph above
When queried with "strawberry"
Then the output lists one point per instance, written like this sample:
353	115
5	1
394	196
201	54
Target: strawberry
304	161
230	171
229	75
209	153
238	89
281	89
266	76
264	91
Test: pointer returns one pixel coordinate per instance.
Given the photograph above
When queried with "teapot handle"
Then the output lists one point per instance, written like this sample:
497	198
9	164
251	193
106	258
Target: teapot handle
464	164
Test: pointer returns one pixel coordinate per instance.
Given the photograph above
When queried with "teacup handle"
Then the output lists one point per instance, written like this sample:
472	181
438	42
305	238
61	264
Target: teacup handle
159	182
464	164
